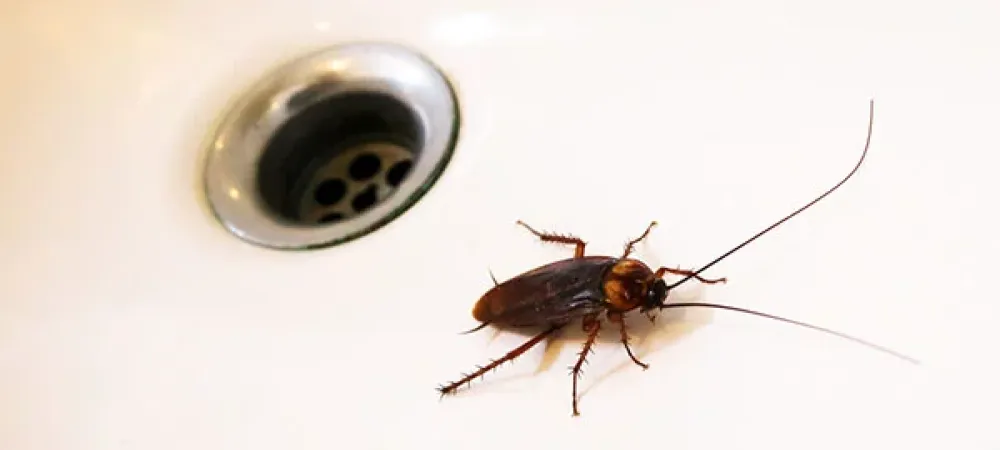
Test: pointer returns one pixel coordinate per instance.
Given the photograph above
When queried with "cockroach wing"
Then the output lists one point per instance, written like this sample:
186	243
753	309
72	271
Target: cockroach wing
553	293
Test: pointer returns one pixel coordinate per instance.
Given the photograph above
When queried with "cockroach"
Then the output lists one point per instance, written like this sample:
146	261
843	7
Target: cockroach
588	286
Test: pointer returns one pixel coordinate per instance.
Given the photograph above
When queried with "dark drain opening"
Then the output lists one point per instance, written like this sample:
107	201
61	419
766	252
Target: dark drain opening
331	146
338	158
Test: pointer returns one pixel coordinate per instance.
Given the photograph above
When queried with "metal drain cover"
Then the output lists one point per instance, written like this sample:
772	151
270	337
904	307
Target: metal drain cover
331	146
354	181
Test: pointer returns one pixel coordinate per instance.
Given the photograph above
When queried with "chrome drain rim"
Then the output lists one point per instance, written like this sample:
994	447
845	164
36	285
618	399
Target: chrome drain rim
243	146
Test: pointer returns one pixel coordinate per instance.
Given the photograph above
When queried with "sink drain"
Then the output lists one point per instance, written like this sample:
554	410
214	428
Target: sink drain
354	181
331	146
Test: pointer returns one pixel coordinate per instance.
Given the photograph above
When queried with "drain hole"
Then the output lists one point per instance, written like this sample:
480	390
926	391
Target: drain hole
339	157
398	173
365	166
330	192
365	199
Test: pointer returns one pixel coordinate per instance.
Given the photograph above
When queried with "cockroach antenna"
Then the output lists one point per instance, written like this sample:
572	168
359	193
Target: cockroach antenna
864	153
696	273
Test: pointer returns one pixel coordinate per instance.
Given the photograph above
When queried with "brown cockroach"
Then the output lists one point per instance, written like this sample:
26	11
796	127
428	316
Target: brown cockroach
587	286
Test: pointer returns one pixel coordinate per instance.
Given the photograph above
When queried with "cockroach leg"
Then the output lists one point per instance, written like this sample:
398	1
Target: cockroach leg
495	283
591	326
686	273
631	244
620	320
481	370
552	237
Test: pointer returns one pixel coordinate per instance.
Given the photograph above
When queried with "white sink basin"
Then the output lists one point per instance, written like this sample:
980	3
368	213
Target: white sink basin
131	319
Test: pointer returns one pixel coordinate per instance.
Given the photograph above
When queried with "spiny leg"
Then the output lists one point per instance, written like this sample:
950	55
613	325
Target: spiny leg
481	370
620	320
551	237
662	270
631	244
591	326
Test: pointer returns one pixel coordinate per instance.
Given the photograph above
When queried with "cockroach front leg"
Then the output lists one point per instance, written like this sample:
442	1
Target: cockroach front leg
631	244
620	320
563	239
662	270
591	326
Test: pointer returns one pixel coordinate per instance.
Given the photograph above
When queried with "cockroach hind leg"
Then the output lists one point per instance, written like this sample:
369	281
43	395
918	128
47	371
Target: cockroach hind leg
482	370
442	392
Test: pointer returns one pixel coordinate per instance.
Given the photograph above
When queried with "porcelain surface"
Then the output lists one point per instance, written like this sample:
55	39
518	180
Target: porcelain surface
131	319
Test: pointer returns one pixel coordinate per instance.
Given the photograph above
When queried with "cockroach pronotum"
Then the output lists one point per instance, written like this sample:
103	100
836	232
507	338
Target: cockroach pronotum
586	287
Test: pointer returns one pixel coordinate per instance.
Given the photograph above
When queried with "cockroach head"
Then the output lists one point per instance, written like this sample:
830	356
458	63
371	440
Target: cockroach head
656	296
